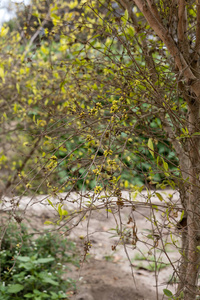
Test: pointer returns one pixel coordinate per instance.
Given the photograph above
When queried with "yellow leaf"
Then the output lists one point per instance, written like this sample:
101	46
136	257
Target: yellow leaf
126	184
4	31
44	50
15	108
3	158
73	4
62	149
5	116
41	123
2	74
48	222
83	2
17	87
64	212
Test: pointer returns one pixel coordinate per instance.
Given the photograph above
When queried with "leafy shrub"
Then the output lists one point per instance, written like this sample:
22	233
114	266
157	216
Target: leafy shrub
32	268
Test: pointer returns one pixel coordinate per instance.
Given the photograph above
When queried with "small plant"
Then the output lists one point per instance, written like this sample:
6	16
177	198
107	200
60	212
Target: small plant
109	257
169	294
32	268
149	263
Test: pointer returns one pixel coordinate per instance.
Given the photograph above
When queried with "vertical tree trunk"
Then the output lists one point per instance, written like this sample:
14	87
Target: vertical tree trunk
193	205
193	254
184	247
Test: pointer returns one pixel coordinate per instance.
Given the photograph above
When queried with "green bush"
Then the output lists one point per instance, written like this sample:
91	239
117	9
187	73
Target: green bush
32	268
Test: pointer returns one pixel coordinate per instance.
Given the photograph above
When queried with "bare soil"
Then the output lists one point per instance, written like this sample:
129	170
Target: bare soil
112	269
103	280
109	275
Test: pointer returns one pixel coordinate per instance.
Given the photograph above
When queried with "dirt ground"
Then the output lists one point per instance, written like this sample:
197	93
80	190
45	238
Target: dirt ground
114	269
110	275
104	280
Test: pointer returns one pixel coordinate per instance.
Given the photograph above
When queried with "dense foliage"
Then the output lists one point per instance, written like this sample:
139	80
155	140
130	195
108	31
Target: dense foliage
32	267
75	109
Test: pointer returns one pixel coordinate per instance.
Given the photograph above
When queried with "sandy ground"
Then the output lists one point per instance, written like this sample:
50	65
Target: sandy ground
116	268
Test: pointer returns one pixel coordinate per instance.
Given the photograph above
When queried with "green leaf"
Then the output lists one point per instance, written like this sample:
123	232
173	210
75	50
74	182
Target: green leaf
160	197
49	280
64	212
44	260
125	17
131	31
118	178
155	207
181	295
23	258
48	222
95	36
126	14
29	295
165	165
134	195
50	203
15	288
182	214
151	147
168	293
60	211
141	189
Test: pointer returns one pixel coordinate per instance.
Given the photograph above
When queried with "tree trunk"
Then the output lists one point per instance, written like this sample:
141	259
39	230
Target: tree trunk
193	254
184	247
189	269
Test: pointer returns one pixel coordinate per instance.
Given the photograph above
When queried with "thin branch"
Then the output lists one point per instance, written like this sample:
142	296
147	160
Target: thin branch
164	35
148	56
197	44
127	5
36	34
182	28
